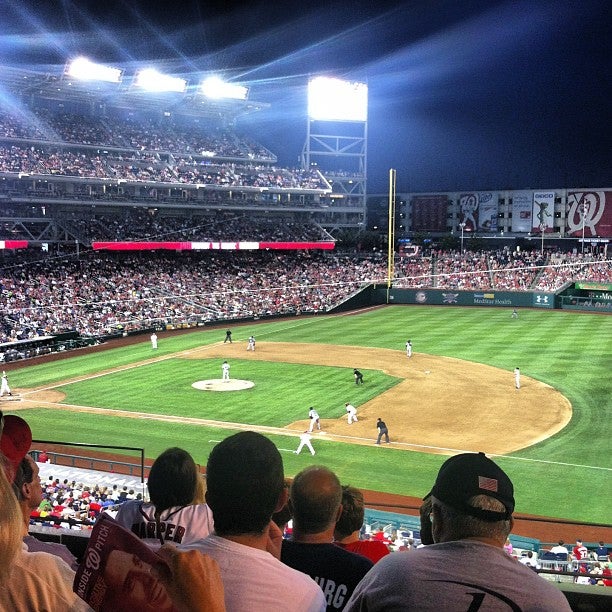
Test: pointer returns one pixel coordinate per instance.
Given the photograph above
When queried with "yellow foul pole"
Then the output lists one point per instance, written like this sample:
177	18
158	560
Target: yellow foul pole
391	231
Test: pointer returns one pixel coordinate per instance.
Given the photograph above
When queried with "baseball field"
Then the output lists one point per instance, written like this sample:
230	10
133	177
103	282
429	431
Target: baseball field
456	393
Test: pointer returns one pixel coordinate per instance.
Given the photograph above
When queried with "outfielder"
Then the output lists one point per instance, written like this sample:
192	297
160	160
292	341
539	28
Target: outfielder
351	412
153	340
313	415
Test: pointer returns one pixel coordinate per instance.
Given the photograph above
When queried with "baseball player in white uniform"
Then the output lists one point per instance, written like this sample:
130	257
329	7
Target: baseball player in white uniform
351	412
305	441
409	349
517	378
225	369
313	415
154	340
251	344
4	386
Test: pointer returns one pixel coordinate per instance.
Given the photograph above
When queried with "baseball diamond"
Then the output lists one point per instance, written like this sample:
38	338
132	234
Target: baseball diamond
433	403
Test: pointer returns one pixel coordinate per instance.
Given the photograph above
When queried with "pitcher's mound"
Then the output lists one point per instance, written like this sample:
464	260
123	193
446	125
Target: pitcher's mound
217	384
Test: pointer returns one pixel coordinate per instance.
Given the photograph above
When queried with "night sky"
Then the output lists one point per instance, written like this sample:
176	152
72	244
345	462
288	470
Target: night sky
476	94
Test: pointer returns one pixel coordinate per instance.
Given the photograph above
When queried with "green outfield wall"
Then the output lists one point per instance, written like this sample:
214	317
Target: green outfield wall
379	294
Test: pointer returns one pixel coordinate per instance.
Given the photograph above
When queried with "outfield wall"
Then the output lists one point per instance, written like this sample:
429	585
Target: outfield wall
376	295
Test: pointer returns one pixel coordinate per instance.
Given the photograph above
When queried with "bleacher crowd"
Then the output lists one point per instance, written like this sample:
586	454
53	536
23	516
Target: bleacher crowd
142	151
99	294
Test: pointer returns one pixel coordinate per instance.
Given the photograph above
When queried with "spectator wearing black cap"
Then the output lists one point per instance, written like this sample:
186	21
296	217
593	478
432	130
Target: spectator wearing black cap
466	567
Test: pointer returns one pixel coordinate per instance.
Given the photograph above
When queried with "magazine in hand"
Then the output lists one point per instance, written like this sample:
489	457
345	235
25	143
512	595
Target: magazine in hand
115	573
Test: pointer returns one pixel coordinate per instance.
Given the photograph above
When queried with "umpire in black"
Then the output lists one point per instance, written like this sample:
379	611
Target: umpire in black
382	431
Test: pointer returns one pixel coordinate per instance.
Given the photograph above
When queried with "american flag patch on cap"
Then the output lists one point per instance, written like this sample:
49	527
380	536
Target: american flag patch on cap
489	484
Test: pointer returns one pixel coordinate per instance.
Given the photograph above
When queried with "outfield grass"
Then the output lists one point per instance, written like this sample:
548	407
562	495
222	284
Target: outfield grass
569	475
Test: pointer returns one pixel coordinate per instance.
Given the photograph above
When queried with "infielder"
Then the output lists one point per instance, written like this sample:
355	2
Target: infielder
358	377
409	349
4	386
251	344
517	378
351	412
305	441
313	415
225	368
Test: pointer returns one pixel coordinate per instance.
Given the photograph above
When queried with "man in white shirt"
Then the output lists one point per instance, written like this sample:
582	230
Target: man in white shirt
559	549
530	560
245	485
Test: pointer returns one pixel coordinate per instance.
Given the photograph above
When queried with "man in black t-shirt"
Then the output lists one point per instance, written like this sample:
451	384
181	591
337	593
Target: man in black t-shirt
315	501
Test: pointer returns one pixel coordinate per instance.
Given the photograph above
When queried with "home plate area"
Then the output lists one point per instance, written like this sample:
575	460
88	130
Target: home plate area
218	384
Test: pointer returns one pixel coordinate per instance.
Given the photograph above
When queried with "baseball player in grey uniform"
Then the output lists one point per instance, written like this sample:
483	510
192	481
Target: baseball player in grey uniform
313	415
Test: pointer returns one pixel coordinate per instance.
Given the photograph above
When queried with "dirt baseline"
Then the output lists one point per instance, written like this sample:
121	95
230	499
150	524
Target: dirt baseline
442	405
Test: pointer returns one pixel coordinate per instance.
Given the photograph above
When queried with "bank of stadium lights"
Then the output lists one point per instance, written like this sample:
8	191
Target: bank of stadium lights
331	99
85	70
217	89
150	79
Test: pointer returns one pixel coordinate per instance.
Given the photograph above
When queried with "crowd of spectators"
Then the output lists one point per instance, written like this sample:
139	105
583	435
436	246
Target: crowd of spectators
101	293
142	150
72	504
138	224
130	132
51	160
500	270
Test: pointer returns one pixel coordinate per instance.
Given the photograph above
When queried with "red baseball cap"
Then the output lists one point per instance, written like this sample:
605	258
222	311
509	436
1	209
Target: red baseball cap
15	441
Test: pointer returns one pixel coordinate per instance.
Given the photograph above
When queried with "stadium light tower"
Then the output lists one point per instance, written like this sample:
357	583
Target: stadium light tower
331	99
336	145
